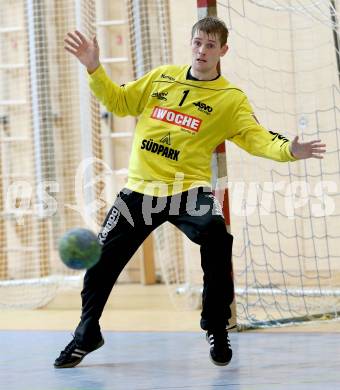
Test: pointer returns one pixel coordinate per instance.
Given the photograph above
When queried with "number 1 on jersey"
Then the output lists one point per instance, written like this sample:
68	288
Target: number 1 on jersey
185	94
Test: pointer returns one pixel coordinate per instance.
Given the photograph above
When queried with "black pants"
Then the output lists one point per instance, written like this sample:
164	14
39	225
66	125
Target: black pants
131	219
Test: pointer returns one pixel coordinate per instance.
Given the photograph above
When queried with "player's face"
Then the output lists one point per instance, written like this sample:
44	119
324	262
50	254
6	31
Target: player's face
206	53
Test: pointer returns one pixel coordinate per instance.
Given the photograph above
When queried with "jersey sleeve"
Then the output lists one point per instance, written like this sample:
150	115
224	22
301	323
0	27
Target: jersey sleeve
127	99
248	134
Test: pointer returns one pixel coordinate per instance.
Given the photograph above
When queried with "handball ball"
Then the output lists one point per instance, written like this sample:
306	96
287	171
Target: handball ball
79	248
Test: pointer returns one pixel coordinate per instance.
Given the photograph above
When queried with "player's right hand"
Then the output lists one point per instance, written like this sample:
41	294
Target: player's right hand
86	50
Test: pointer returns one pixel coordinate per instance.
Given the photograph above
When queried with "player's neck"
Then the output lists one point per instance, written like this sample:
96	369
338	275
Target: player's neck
204	76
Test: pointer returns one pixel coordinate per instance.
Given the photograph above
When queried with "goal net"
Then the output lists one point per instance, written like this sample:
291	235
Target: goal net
285	56
47	126
62	156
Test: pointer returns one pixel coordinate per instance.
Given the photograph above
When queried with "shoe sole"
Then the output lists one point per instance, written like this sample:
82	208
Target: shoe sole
218	363
75	363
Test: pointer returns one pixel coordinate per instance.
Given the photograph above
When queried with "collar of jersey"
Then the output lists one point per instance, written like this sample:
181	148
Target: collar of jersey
189	76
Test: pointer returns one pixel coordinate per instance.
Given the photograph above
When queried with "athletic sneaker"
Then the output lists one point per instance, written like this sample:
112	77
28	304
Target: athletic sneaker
73	354
220	349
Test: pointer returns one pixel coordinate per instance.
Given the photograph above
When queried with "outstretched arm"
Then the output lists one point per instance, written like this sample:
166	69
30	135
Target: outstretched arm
255	139
84	49
303	150
127	99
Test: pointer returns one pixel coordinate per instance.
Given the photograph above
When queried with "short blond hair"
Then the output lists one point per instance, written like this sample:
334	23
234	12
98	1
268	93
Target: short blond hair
212	26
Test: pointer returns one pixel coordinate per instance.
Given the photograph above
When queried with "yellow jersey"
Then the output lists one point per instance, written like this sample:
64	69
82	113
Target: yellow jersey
181	122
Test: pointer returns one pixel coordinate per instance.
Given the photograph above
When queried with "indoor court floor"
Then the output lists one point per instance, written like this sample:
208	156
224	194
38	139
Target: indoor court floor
172	360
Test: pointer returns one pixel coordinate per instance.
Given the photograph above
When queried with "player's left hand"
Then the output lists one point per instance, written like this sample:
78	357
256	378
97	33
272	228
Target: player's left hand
303	150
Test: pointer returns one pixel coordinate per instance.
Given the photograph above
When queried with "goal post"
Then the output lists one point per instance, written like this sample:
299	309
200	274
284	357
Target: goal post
219	161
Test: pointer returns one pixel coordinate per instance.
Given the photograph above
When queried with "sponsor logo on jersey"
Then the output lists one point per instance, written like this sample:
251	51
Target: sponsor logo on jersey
160	95
203	107
165	76
151	146
279	137
166	139
176	118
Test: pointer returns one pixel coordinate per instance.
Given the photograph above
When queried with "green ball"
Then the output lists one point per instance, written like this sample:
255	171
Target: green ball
79	248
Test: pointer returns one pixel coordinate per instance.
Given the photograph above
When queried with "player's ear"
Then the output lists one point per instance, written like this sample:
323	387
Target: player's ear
224	50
